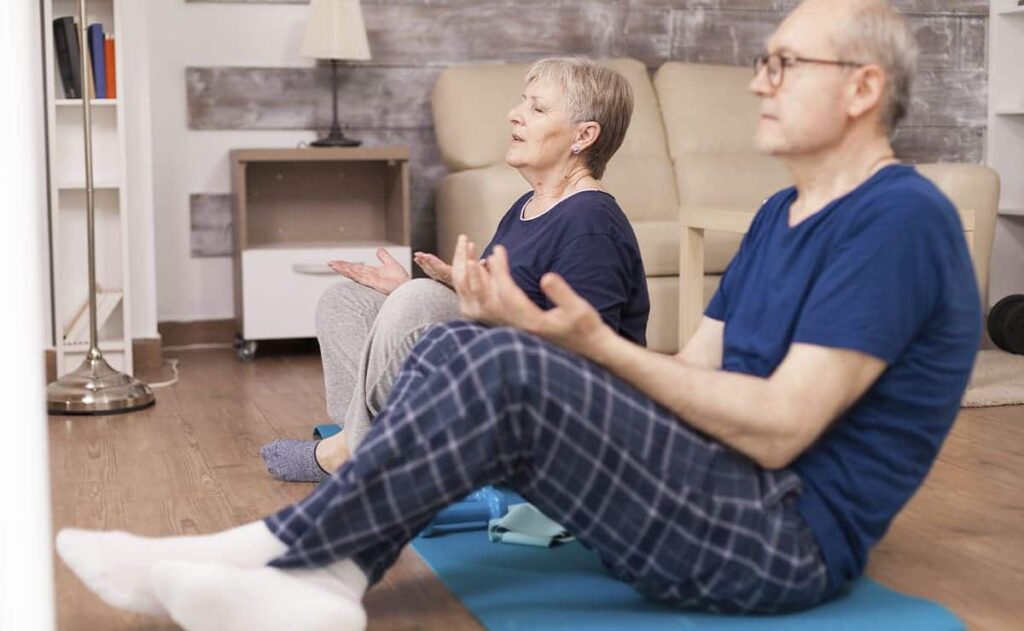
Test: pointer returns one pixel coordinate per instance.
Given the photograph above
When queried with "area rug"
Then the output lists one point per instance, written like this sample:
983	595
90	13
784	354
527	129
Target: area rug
998	379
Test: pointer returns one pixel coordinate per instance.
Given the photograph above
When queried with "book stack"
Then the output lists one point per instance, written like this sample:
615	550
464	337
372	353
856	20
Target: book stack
69	61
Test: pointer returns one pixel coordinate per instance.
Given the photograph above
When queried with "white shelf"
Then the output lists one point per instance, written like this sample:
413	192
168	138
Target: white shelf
78	102
1010	111
105	346
1011	212
66	162
1011	11
80	186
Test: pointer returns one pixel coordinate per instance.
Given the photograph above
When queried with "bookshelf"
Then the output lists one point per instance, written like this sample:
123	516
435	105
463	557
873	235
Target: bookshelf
66	181
1005	138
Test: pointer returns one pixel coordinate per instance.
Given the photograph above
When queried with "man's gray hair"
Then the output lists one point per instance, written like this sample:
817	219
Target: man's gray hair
878	34
592	93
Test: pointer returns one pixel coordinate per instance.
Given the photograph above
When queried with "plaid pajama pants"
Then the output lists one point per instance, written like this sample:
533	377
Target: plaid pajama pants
675	514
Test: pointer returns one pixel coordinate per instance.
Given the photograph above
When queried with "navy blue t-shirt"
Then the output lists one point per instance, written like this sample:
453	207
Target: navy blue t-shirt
587	239
883	270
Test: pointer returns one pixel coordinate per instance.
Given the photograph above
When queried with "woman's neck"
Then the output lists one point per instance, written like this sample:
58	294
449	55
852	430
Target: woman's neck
551	188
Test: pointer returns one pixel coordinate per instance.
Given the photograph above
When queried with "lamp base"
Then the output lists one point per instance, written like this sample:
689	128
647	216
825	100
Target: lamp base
96	388
335	138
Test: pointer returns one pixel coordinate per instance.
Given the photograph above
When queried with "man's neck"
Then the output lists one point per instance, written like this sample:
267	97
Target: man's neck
827	175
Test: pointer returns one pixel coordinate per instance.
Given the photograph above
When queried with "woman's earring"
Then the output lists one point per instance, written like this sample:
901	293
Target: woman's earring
575	149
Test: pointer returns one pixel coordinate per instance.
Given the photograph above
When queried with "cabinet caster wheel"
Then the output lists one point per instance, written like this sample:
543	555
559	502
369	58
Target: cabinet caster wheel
245	349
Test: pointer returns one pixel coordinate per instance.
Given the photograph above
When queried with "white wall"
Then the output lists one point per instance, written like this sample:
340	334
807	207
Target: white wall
185	34
26	570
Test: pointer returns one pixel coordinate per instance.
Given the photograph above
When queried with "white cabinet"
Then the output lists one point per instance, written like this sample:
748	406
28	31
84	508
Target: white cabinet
296	209
67	204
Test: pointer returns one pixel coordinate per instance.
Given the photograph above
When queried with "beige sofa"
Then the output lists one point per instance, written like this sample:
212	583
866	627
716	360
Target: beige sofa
689	146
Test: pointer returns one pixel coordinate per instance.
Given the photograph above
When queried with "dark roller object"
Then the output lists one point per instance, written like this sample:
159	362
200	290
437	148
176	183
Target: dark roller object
1006	324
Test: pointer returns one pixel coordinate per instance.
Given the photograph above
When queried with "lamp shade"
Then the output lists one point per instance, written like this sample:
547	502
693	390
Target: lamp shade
335	30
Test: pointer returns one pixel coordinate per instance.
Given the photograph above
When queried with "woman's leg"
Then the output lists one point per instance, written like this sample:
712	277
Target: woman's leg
345	315
400	320
407	313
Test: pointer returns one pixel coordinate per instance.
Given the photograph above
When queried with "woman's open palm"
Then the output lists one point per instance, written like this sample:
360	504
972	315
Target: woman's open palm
385	277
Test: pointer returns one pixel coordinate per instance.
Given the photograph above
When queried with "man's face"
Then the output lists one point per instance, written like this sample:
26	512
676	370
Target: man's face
806	113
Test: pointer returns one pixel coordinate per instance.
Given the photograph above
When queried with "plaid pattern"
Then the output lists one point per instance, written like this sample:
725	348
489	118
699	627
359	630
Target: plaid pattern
680	517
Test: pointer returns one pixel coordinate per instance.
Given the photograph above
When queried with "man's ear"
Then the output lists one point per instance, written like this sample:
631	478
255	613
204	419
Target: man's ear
587	134
866	90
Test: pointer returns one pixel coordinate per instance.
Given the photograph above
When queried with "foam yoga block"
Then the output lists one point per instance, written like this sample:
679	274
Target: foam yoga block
513	588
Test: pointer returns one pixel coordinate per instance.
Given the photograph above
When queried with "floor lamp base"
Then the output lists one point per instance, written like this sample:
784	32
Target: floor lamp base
96	388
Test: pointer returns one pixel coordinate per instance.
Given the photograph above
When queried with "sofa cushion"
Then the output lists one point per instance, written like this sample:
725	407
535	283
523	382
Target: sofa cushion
706	108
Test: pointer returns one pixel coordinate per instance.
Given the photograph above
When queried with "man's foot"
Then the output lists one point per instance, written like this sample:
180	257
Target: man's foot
214	597
116	565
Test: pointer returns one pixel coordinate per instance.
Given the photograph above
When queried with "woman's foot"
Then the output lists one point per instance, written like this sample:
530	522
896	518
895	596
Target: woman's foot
305	460
116	565
215	597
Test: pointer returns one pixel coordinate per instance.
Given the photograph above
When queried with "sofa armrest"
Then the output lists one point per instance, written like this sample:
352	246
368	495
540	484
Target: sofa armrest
472	203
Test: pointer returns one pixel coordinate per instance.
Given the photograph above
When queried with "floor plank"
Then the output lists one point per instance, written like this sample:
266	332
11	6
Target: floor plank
191	465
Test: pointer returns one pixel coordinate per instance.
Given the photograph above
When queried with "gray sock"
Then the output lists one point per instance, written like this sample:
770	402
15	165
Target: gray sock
293	460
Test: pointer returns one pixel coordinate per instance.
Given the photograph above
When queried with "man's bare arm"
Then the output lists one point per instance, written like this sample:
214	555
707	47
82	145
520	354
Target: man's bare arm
704	348
771	420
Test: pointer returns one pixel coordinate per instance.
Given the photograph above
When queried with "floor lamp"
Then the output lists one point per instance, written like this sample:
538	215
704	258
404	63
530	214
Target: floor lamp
94	387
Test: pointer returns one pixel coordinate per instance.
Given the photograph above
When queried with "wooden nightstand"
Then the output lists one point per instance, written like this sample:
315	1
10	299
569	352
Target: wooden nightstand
296	209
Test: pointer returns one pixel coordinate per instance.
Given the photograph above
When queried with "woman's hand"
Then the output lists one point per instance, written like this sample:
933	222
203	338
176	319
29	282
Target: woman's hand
434	267
385	278
489	294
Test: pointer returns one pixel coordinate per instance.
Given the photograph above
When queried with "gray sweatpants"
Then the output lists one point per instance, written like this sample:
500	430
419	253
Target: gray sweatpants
364	338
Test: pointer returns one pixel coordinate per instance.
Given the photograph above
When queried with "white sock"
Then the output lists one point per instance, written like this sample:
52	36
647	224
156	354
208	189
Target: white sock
217	597
116	565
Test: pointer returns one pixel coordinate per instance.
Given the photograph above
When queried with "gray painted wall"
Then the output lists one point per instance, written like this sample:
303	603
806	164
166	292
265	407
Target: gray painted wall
386	100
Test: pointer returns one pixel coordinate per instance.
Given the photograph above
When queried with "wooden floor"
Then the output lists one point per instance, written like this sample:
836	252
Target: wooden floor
191	465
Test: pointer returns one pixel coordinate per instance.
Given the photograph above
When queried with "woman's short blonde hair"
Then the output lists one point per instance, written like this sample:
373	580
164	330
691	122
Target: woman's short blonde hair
592	93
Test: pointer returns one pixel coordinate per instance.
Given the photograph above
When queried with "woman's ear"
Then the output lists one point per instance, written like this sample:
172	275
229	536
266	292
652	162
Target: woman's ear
586	134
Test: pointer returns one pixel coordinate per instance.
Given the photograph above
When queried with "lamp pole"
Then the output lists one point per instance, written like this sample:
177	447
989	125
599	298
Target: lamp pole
334	137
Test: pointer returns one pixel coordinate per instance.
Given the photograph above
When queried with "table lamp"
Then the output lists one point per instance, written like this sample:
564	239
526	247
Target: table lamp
335	31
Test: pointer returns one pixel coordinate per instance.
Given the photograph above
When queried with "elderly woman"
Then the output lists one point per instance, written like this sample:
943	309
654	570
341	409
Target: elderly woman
572	118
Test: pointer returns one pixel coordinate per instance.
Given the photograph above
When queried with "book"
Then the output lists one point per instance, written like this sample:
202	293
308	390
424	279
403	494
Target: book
108	49
97	52
69	60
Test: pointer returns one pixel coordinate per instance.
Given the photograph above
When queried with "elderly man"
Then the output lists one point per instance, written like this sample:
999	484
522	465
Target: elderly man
753	471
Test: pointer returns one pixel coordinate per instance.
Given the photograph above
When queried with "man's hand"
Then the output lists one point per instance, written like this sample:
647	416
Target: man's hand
490	294
434	267
385	278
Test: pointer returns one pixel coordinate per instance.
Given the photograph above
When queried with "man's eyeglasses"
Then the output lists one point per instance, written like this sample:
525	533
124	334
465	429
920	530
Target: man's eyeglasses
776	64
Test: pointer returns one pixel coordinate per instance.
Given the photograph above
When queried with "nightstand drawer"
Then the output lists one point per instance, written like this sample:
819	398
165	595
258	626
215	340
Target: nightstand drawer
281	286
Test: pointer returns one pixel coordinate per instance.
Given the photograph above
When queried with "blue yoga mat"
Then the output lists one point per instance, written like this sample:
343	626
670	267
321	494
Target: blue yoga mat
517	588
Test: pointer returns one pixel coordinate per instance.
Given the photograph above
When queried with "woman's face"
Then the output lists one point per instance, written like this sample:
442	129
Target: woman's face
541	130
